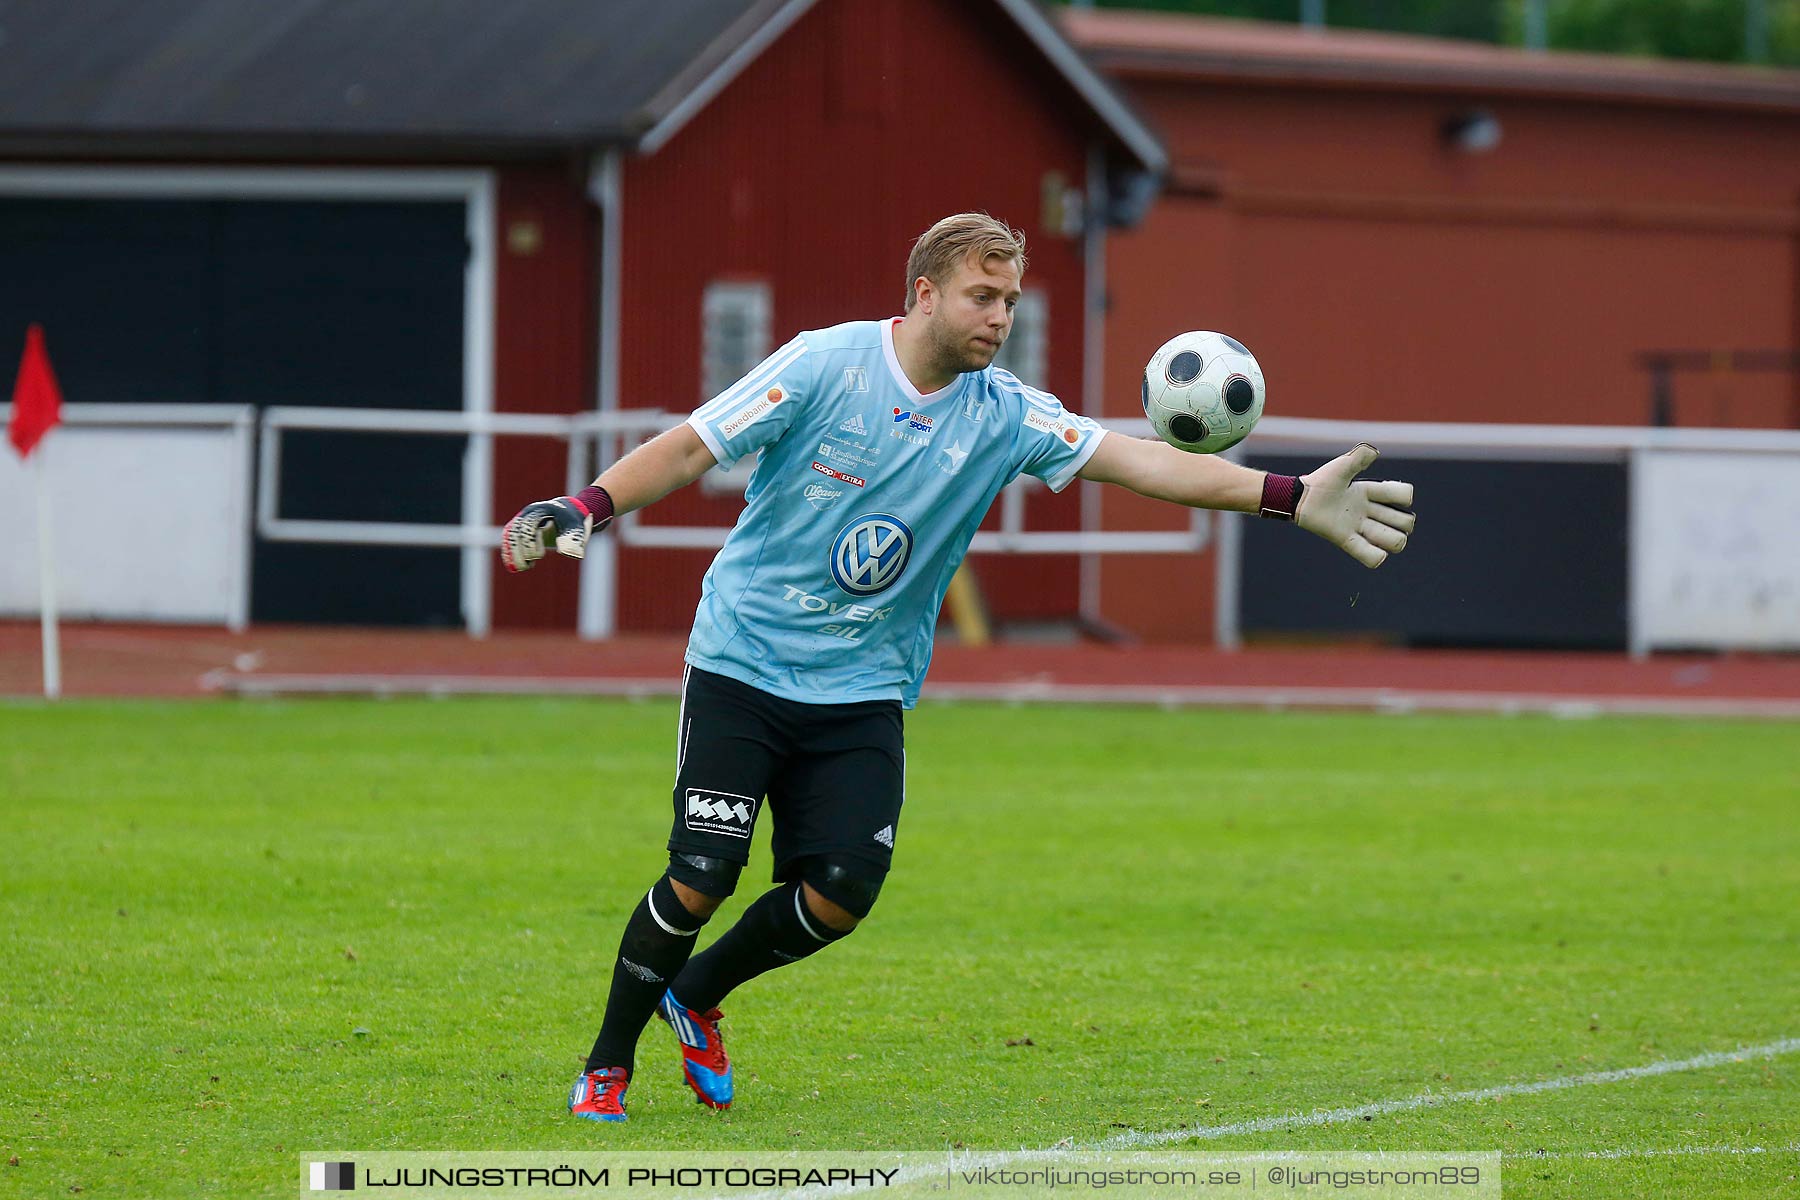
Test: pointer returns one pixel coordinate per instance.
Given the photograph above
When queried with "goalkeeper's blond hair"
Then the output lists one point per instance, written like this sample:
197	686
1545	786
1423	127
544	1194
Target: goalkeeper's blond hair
965	237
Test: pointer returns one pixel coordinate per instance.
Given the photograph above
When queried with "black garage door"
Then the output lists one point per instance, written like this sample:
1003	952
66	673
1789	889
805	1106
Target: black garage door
1507	554
336	304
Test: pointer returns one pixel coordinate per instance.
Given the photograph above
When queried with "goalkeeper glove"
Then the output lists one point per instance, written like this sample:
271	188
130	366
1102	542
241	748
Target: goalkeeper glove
566	523
1366	519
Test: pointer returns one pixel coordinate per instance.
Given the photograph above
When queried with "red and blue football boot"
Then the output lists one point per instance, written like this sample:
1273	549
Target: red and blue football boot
600	1095
703	1060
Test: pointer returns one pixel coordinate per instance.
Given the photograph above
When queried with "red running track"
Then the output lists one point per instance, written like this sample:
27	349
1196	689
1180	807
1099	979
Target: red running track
167	661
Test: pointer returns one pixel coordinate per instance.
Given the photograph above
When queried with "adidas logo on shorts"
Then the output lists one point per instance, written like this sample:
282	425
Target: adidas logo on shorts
886	836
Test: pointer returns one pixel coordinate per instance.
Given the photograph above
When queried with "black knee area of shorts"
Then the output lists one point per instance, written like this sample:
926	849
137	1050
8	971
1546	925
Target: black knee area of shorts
715	877
850	883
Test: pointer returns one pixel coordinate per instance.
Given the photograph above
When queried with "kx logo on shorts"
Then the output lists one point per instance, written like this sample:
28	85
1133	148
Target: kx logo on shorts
720	812
869	555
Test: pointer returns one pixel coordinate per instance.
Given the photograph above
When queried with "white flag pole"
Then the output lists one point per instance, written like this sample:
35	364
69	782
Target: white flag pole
47	577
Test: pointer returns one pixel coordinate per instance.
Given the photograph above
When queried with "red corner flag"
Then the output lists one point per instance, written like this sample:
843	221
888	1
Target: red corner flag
37	402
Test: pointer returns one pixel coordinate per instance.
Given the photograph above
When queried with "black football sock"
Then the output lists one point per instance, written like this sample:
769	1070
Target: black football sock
658	939
776	930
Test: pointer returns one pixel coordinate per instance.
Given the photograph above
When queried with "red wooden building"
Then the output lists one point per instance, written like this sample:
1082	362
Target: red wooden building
793	179
1412	229
533	207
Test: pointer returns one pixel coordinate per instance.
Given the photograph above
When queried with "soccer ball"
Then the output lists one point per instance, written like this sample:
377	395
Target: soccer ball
1203	392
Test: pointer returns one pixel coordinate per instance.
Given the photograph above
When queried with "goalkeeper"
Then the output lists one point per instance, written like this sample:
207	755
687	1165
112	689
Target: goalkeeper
881	444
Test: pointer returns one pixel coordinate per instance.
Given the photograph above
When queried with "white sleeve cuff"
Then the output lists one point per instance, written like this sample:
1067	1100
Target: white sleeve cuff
699	426
1066	476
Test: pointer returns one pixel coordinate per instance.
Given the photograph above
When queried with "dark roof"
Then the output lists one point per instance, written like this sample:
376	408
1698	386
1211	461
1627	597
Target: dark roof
1147	45
483	72
282	78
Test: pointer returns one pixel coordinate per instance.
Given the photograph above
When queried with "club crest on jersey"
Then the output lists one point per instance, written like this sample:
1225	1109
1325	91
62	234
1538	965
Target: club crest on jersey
869	555
856	379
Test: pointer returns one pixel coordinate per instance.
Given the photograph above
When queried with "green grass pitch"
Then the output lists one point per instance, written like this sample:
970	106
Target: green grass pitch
234	931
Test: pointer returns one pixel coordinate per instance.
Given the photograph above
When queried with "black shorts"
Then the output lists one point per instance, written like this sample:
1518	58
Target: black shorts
834	775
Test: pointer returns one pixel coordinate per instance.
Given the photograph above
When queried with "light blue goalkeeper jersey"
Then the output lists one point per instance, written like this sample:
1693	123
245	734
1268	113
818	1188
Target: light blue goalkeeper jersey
864	500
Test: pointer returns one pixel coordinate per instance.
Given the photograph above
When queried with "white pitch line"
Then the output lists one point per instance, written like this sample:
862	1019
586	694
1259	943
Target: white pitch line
1008	1157
1648	1152
1134	1138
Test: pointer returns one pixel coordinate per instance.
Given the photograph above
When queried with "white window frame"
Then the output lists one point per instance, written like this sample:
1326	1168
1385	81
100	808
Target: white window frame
733	309
1027	350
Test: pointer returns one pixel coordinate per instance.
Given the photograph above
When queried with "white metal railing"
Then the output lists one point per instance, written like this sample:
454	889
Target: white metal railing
588	435
596	439
1519	443
1705	465
151	416
467	533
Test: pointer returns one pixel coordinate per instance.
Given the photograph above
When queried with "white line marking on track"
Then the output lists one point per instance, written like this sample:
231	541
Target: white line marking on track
1132	1138
1648	1152
1275	699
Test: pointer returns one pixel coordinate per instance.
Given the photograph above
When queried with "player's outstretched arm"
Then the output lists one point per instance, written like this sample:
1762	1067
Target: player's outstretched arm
1366	519
1160	471
668	461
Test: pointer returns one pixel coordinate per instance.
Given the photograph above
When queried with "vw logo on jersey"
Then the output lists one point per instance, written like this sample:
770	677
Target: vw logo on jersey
870	554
